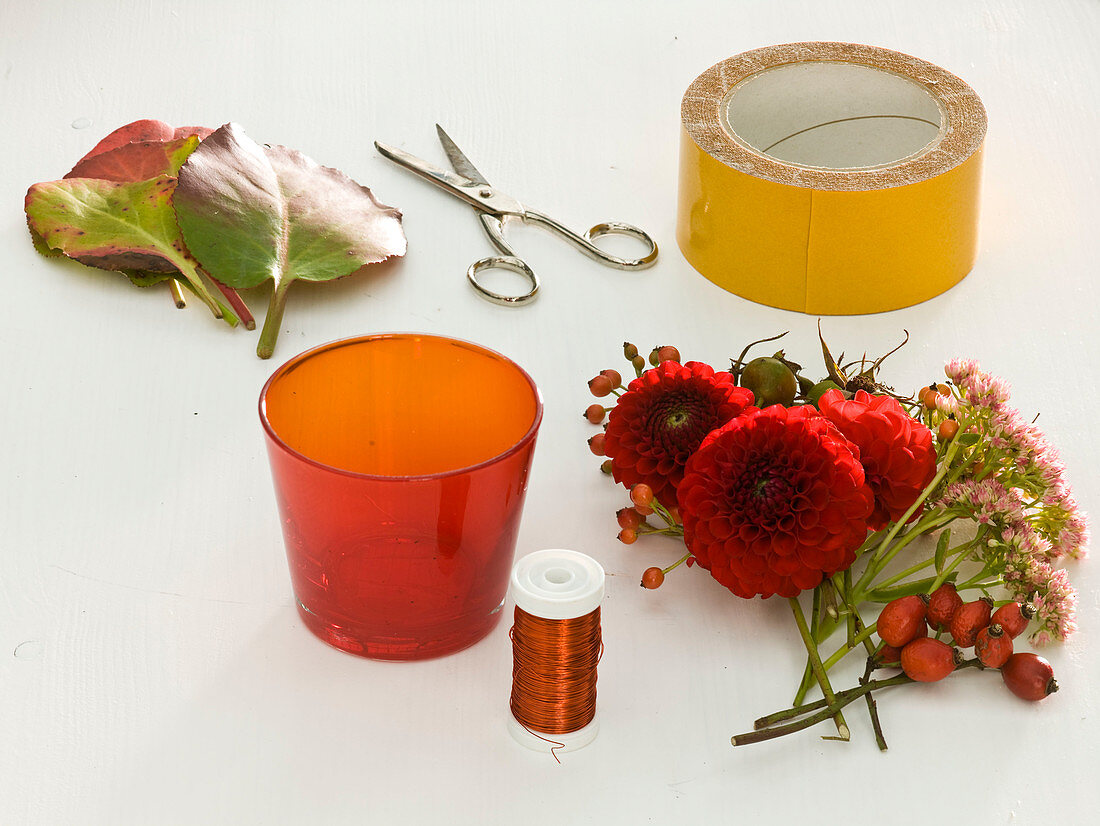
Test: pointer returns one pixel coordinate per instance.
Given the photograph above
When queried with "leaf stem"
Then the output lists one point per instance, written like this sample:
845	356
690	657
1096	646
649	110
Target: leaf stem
236	302
177	293
274	319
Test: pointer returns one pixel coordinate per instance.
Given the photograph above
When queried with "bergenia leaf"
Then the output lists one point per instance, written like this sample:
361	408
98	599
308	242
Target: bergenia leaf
251	213
140	160
137	161
117	226
144	130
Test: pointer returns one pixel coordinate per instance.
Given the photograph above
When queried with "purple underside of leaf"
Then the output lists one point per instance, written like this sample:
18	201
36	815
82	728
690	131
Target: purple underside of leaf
120	260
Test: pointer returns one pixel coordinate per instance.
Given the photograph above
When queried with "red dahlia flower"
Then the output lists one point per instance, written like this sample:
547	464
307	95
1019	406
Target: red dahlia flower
894	448
774	501
661	419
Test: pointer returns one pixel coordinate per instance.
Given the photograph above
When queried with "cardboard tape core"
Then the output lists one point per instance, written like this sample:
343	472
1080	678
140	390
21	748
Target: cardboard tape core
832	115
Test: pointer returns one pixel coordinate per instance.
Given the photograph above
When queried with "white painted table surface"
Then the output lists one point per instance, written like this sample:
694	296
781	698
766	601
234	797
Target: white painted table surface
152	667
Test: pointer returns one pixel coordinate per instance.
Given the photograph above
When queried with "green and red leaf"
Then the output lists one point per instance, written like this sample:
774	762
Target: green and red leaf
251	213
145	130
113	225
136	161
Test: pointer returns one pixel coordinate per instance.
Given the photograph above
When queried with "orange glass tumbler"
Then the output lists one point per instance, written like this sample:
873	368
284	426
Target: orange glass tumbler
400	466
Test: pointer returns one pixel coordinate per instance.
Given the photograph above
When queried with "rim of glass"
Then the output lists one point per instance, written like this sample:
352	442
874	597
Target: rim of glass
354	340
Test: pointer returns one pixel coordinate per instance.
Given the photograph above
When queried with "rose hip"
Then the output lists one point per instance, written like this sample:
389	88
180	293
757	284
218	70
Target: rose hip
628	518
1029	676
969	619
926	660
993	646
942	605
614	376
1013	618
595	413
600	385
596	444
901	620
889	655
652	578
641	495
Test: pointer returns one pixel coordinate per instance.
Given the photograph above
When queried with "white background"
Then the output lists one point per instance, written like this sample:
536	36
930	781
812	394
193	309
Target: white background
152	666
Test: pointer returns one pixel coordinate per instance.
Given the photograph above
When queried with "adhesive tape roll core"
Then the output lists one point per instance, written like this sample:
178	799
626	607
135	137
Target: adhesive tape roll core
830	178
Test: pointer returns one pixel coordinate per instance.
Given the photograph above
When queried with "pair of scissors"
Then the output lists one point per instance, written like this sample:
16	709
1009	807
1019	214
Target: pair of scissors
495	208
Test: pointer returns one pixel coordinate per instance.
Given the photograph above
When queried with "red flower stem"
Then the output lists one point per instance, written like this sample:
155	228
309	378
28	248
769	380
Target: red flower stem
920	566
841	652
830	710
872	706
884	553
819	671
805	684
787	714
855	622
853	613
884	595
815	629
840	700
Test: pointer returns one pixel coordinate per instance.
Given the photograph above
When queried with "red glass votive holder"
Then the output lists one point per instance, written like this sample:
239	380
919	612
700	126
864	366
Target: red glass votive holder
400	466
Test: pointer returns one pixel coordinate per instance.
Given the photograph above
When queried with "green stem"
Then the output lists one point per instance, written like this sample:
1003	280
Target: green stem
807	672
840	653
918	503
853	614
872	706
886	583
829	709
945	574
787	714
928	522
818	669
677	563
884	595
822	630
273	320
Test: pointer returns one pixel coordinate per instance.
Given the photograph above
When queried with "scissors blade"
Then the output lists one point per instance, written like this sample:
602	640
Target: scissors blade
458	158
452	182
477	194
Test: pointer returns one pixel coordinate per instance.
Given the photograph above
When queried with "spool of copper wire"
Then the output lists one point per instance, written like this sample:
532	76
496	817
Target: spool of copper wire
556	646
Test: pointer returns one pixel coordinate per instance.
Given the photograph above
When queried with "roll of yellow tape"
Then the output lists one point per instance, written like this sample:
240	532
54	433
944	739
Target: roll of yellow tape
830	178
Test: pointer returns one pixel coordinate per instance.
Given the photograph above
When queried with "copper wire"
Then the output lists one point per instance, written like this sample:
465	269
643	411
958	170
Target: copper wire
554	671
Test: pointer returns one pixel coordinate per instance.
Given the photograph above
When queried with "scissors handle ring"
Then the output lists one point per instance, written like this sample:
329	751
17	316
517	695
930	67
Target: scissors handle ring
504	262
619	228
585	245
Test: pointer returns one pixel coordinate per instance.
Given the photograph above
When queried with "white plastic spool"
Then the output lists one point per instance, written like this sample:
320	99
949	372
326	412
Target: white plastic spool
557	584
